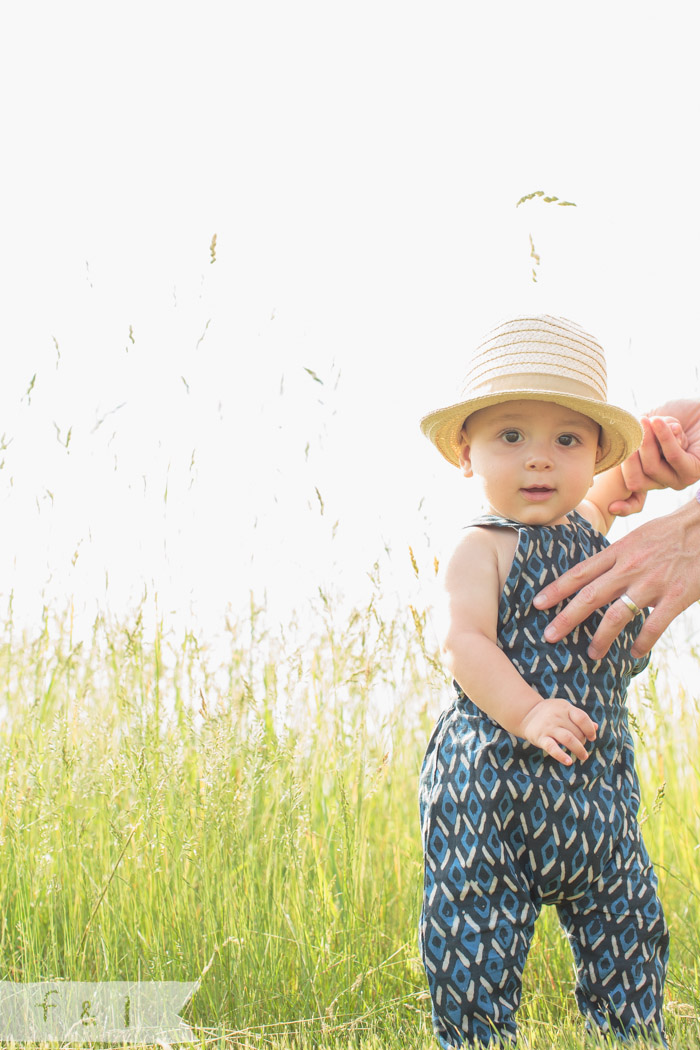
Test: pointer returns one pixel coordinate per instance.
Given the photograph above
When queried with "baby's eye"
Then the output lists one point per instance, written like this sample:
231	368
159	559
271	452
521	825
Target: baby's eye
511	437
568	440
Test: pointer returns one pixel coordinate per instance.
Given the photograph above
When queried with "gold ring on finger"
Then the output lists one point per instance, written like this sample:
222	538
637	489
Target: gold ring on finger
631	605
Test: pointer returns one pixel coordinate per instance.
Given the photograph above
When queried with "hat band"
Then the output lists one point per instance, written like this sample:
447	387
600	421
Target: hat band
529	381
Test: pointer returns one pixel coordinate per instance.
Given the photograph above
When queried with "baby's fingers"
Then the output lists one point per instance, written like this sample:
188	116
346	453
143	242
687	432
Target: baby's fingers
583	722
554	746
569	739
551	747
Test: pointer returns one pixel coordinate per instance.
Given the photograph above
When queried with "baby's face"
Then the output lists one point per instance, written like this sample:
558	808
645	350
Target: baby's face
535	459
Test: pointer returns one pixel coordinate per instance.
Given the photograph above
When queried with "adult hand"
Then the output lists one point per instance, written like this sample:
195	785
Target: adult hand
669	456
658	564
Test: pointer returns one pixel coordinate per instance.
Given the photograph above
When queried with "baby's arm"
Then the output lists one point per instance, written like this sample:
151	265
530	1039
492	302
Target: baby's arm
484	671
610	487
607	487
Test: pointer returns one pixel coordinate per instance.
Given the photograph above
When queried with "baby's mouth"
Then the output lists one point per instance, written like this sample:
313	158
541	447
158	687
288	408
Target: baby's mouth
537	492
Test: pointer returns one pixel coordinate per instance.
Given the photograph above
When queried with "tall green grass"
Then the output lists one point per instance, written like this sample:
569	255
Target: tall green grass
248	815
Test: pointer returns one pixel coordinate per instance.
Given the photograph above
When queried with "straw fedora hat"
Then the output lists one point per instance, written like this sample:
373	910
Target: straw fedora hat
540	358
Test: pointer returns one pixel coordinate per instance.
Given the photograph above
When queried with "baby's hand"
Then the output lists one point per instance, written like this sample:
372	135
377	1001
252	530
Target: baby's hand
554	724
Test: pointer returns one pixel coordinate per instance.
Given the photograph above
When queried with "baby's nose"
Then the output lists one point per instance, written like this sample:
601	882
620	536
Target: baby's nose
539	459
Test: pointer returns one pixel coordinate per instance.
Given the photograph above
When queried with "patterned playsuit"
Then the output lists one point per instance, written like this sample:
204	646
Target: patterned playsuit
506	828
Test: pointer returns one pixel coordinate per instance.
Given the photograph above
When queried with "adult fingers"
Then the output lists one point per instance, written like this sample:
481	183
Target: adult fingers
658	620
602	591
678	431
656	565
677	464
668	607
661	460
589	579
658	445
615	619
633	469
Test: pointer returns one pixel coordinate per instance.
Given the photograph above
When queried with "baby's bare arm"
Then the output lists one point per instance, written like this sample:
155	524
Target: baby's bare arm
482	669
608	487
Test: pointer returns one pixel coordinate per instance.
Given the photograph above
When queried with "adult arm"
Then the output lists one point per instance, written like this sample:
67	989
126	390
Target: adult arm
658	564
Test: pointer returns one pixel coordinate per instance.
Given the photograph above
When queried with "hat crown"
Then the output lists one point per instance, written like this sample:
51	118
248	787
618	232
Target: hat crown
535	351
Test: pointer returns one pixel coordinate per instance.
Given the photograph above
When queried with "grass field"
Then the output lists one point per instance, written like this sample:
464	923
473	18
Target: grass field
251	819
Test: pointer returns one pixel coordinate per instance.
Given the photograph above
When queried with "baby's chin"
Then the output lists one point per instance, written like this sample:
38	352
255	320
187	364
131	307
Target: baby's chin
528	515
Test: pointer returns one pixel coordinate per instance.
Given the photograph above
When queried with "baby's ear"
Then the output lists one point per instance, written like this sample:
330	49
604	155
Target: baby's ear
598	453
465	461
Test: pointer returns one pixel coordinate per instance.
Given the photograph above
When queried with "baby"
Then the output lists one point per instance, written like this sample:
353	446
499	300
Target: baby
528	790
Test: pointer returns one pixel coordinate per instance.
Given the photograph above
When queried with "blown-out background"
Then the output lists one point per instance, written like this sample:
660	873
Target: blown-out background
244	248
360	168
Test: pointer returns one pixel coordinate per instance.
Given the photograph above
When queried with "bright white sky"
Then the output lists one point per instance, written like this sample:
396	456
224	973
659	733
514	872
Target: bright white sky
359	164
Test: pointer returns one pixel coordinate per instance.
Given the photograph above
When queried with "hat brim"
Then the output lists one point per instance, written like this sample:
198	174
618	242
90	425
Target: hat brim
620	433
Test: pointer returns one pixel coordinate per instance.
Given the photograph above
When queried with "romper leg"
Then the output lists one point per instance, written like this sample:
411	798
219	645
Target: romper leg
478	911
619	938
474	951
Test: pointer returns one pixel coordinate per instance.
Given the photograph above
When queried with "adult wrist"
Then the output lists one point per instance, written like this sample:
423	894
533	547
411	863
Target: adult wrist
682	527
691	514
